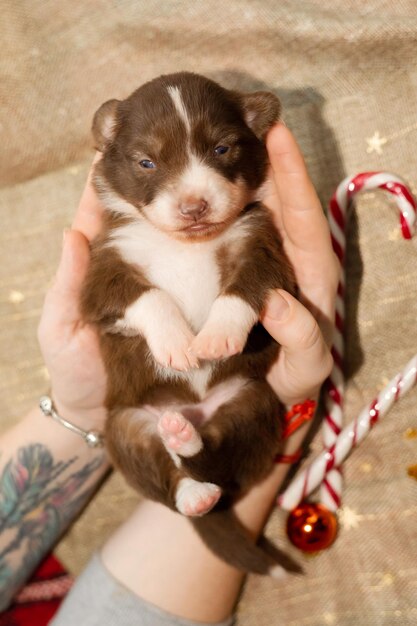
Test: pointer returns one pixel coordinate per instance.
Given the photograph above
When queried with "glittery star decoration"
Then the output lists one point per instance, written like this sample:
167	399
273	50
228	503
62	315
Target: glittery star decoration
394	235
387	579
375	143
349	518
16	297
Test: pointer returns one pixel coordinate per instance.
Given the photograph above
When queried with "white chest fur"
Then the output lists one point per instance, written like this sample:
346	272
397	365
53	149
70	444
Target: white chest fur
188	272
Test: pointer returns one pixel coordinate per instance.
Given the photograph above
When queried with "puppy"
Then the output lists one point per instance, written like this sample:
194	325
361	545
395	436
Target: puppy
178	277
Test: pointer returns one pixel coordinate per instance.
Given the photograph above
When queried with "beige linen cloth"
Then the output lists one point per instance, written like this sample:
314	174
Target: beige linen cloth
346	71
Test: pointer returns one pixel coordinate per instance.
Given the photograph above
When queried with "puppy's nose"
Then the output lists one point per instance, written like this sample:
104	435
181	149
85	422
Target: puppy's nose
193	208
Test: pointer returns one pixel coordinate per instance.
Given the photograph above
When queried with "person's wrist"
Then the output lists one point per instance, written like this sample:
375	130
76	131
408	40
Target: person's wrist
85	417
289	400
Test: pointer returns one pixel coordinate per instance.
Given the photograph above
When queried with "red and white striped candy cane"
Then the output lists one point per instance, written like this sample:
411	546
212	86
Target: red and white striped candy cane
331	482
312	476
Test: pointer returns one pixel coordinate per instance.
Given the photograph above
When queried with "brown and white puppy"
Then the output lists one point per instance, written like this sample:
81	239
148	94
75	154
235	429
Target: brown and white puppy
177	281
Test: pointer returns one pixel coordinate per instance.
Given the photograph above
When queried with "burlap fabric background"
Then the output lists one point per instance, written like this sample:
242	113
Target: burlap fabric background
344	70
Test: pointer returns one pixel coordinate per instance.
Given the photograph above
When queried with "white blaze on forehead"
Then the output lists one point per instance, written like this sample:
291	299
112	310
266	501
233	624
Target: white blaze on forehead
179	105
201	180
198	176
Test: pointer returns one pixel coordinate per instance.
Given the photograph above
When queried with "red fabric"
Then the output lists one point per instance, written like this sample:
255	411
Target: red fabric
37	602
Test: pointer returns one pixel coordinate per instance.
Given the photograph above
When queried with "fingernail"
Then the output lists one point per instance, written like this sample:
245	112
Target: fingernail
278	308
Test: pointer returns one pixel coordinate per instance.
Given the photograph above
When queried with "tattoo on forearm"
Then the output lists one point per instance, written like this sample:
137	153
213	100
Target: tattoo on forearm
38	499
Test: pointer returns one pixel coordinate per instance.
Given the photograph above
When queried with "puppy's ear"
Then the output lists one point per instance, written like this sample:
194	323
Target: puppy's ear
261	110
104	124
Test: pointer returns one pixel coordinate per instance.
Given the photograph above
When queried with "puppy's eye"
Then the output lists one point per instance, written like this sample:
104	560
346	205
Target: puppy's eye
148	165
219	150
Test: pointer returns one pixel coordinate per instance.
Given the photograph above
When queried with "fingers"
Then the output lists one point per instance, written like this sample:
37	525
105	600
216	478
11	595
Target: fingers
89	215
301	212
305	361
61	309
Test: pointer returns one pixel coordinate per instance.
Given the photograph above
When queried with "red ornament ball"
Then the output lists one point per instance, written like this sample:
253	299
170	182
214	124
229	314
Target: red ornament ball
311	527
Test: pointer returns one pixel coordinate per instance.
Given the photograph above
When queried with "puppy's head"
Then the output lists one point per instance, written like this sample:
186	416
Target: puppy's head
184	152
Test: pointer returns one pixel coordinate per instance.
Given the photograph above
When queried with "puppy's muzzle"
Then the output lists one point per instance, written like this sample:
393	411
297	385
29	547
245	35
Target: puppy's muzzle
193	209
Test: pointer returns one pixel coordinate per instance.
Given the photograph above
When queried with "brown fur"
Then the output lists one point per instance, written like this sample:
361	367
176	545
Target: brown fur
243	436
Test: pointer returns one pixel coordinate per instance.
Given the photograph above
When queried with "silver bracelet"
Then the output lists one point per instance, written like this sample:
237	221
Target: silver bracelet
92	438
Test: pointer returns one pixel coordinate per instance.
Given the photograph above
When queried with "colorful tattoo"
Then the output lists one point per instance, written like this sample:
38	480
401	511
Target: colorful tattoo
38	499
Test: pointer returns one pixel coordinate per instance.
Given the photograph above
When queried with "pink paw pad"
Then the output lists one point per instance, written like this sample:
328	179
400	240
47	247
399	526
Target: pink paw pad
178	434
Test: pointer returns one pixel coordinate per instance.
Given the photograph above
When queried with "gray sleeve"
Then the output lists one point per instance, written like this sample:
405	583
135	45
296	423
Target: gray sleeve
98	599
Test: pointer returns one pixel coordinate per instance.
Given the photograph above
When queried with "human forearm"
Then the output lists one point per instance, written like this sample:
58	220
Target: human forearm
47	474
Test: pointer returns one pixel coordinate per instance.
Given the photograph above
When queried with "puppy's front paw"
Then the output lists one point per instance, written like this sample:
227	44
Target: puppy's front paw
218	343
173	351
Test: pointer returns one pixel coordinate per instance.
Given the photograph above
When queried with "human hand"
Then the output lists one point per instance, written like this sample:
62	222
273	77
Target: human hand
304	329
70	348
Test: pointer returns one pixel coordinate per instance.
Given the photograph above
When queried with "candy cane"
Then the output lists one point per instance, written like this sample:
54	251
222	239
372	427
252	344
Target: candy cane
331	479
331	488
349	437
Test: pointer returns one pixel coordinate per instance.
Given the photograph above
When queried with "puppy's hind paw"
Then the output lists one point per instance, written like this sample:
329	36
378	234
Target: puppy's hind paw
179	435
194	498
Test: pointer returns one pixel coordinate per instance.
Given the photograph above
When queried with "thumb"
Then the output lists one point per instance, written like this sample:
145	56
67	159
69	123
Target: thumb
305	361
62	300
